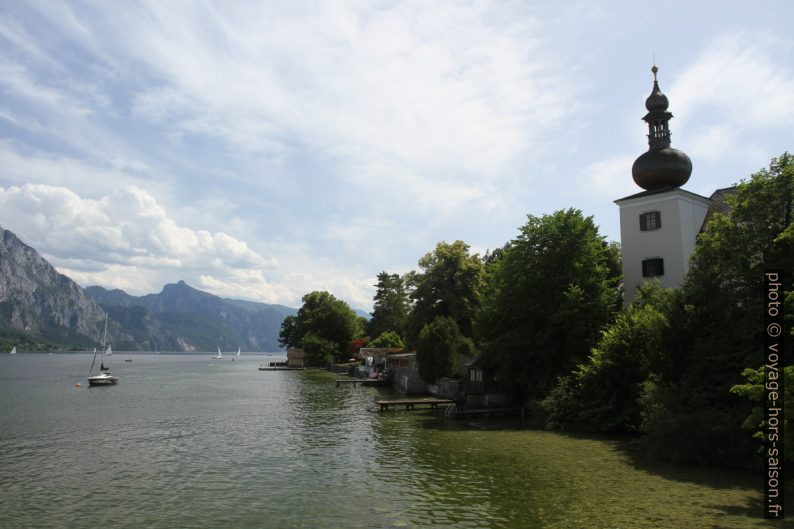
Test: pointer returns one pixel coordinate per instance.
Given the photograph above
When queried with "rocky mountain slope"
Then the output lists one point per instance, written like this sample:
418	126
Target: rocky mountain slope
43	308
184	318
38	302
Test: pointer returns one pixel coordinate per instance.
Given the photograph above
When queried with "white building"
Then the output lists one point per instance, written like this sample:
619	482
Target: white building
659	226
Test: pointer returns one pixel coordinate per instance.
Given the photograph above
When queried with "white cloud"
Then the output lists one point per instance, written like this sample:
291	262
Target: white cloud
610	177
126	228
127	240
428	90
739	83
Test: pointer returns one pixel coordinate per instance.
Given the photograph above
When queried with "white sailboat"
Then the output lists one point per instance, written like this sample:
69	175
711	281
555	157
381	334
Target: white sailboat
238	352
219	356
104	378
13	350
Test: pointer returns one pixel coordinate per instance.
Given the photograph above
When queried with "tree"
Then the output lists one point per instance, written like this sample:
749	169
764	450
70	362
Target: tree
716	325
322	317
449	285
603	394
319	351
288	336
388	339
391	305
437	351
753	390
549	293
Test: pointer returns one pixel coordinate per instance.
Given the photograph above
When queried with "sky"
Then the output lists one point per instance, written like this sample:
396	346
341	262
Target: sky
263	150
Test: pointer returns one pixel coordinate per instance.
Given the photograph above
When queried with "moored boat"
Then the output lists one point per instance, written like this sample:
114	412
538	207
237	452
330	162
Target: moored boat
103	378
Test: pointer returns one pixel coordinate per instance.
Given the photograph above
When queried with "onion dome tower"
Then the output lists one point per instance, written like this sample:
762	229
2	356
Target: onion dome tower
660	224
662	167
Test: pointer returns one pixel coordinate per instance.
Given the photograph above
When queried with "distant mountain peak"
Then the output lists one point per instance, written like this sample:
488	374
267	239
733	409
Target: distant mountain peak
39	301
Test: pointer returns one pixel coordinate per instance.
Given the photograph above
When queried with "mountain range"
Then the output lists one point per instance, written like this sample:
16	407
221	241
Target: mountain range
42	308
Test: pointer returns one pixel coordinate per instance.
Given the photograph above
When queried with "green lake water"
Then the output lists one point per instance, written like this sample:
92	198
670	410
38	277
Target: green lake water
180	444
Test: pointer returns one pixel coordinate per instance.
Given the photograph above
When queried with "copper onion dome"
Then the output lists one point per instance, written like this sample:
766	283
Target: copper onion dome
662	166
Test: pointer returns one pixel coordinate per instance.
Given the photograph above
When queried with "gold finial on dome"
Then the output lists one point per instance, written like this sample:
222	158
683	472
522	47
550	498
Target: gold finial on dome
654	70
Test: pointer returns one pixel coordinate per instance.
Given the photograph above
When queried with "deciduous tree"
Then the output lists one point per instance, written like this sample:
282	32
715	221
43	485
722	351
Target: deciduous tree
449	285
550	292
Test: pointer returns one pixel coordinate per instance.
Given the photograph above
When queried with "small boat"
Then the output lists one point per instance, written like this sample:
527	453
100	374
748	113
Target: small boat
128	359
219	356
13	350
104	378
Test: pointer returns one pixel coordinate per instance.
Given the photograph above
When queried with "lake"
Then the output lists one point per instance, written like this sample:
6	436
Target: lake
180	444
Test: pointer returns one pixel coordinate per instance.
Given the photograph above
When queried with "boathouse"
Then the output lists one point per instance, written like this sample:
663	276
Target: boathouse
295	357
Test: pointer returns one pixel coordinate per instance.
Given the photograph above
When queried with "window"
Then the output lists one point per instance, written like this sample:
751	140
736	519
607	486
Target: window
653	267
651	220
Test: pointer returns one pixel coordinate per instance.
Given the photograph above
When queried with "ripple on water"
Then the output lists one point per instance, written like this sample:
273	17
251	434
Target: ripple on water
180	445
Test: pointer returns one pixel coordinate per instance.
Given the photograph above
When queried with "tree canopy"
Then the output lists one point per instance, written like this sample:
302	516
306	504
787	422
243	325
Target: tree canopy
440	348
550	292
388	339
391	306
449	285
322	320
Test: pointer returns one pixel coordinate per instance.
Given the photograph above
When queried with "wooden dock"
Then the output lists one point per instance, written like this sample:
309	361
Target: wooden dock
410	404
280	368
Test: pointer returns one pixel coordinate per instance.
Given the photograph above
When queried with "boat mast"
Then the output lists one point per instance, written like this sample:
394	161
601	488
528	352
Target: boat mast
104	334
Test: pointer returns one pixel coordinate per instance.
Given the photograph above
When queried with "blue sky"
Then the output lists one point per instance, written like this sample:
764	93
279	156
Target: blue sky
261	150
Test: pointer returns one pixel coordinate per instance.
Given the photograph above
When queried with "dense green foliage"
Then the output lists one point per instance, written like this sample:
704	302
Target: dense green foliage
440	349
602	394
753	390
322	320
388	339
450	285
319	351
391	306
549	294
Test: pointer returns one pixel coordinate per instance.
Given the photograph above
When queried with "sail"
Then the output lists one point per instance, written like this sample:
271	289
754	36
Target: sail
108	351
238	351
13	350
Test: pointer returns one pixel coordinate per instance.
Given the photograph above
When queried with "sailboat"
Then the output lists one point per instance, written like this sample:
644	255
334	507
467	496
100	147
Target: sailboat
104	378
237	355
13	350
219	356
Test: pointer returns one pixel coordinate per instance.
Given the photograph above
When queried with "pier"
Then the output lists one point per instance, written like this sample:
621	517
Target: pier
410	404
